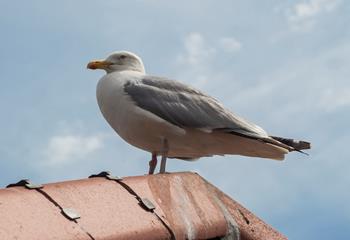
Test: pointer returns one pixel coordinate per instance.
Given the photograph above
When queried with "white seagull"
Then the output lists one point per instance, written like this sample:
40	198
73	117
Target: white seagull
171	119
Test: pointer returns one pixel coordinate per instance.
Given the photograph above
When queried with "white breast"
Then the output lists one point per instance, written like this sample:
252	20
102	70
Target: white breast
135	125
112	100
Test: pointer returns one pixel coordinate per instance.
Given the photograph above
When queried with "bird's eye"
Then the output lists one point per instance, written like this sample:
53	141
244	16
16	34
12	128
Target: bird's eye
122	57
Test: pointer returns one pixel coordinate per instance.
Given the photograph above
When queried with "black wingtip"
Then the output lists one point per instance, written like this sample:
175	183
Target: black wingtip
296	145
304	145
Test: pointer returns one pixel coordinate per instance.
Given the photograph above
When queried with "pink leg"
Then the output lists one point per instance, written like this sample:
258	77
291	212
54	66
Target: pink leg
152	164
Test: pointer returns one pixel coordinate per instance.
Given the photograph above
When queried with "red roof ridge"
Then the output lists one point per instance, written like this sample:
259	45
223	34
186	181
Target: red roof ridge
179	205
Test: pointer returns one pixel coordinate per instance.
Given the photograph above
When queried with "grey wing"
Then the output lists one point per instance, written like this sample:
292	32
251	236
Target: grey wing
187	107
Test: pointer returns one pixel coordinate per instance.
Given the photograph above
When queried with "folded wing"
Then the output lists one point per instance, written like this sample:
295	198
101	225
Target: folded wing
187	107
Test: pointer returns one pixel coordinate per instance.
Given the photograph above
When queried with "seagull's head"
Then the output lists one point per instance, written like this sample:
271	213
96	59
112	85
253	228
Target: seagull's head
119	61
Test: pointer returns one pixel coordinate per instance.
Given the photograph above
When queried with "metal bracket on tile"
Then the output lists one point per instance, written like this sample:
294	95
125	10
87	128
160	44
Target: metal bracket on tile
106	174
145	202
25	183
70	213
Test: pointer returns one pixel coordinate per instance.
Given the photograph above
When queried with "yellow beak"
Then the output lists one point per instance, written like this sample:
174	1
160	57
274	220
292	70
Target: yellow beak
100	64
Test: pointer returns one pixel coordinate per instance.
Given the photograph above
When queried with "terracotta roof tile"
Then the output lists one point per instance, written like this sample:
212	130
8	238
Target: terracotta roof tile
162	206
26	214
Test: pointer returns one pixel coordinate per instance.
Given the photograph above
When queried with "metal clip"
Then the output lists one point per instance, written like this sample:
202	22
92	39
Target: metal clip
146	203
25	183
70	213
106	174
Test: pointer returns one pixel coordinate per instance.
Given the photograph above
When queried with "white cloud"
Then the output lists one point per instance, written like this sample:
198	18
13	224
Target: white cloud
302	16
200	54
65	148
230	44
196	49
194	60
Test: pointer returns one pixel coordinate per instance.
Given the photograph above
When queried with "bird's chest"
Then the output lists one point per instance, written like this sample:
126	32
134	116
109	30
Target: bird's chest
115	105
122	114
135	125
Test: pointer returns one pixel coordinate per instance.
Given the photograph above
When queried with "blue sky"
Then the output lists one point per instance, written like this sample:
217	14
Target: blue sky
282	64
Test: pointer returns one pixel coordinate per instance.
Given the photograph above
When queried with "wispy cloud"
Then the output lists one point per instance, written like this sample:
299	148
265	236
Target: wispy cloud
230	44
303	15
199	53
197	50
65	148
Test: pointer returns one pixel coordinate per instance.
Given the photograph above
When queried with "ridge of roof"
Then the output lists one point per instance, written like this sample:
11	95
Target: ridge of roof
179	205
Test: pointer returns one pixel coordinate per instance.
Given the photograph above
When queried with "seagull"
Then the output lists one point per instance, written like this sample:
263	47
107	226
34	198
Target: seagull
173	120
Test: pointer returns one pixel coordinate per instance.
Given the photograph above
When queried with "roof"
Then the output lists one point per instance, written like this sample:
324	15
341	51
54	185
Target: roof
162	206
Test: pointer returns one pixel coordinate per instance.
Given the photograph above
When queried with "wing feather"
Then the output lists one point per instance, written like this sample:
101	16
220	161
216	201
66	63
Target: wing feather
187	107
